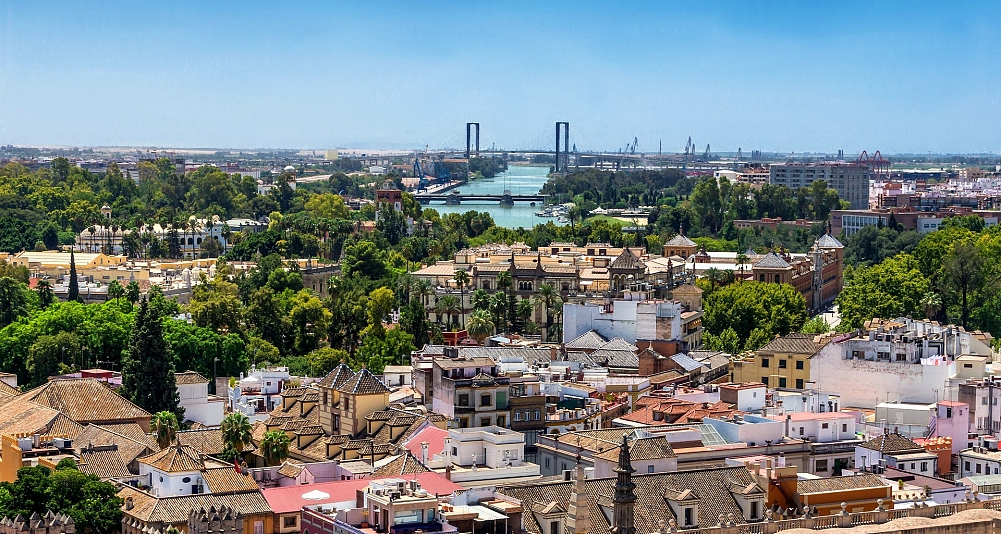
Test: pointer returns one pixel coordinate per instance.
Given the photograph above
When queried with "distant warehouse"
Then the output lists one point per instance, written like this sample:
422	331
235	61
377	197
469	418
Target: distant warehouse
851	180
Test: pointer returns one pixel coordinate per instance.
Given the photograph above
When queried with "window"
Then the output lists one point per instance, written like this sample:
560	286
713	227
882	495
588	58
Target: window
764	380
924	466
288	521
799	383
535	416
782	364
186	480
754	509
258	527
983	400
484	421
455	451
649	468
799	364
778	279
825	425
517	417
324	402
485	400
464	399
821	466
782	382
689	517
844	427
501	421
347	402
978	468
967	466
764	362
554	527
801	431
547	464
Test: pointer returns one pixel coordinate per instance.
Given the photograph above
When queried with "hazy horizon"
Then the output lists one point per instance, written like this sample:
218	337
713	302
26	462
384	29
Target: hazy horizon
907	78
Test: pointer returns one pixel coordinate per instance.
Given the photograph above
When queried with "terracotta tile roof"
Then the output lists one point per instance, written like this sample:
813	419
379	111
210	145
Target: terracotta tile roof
892	443
652	410
20	415
404	464
711	486
290	468
132	431
207	441
363	383
642	449
85	400
793	344
228	480
8	390
190	377
823	485
127	447
175	459
104	462
337	377
175	510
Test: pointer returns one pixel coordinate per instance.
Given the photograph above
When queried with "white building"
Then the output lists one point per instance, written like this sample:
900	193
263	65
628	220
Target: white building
482	456
258	393
198	405
826	427
750	429
630	320
902	360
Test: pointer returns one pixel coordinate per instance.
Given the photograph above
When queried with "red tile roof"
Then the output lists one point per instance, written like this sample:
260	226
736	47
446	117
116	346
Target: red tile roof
431	434
289	499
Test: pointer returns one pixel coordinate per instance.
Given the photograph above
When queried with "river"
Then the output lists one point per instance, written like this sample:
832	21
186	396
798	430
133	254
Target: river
521	180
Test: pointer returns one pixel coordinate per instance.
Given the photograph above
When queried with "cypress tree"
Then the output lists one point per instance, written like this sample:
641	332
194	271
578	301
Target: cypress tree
74	294
147	367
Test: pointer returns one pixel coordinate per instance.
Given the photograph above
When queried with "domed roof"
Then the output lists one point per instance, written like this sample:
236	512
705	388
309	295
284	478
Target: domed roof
289	168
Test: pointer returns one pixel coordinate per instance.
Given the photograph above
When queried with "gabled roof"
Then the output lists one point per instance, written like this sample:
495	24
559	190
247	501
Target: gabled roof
892	443
772	261
20	415
175	459
130	443
687	289
587	340
681	241
363	383
626	261
404	464
104	462
175	510
642	449
190	377
207	441
85	400
828	241
619	344
622	359
337	377
793	343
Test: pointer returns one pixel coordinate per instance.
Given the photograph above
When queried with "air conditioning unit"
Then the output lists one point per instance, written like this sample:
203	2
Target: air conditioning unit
62	443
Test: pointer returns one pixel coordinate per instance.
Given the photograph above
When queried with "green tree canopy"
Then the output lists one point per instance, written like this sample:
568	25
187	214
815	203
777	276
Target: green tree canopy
893	288
774	309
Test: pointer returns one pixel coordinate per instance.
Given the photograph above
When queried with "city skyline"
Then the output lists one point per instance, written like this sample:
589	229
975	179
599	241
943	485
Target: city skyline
901	78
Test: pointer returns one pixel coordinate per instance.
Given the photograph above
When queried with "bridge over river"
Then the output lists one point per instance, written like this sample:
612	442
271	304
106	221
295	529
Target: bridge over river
454	198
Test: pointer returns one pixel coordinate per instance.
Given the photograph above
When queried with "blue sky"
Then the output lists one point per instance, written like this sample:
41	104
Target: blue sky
774	76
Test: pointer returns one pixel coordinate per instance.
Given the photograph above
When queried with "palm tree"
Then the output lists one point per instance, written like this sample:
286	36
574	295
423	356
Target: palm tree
480	326
549	298
741	260
236	431
274	447
425	289
165	428
447	305
932	303
505	283
498	307
525	307
480	299
462	280
115	290
714	276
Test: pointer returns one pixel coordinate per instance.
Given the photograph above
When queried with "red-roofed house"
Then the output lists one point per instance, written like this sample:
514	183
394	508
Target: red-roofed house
430	434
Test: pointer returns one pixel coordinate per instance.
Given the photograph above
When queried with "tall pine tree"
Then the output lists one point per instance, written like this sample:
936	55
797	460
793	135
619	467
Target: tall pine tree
74	294
147	368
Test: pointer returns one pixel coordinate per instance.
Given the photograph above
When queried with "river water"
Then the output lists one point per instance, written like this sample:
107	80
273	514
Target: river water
521	180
